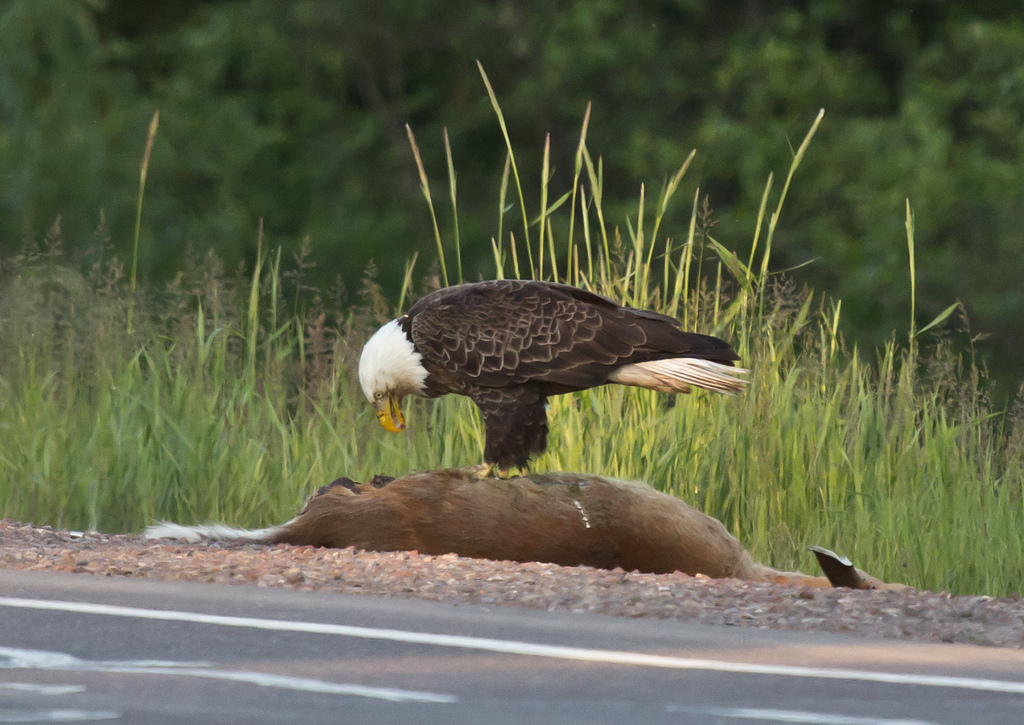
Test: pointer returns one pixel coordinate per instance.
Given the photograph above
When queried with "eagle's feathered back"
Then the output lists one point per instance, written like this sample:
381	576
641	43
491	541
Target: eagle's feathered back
508	332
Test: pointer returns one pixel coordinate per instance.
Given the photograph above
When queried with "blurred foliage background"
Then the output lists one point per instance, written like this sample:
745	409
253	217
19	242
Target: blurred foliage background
295	112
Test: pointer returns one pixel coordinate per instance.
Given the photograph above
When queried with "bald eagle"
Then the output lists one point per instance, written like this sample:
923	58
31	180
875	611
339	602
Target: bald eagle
510	344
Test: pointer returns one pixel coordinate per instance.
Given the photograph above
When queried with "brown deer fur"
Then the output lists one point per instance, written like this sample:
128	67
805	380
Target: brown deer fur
561	518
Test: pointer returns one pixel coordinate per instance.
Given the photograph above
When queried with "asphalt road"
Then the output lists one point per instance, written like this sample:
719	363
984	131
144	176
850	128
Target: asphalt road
92	649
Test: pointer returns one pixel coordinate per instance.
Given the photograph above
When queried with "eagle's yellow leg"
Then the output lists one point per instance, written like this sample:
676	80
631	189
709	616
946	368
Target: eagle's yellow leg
492	470
481	471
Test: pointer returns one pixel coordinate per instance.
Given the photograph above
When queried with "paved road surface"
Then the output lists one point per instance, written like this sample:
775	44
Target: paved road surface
92	649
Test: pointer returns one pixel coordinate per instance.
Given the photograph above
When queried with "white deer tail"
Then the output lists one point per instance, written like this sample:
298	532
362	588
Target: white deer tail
209	532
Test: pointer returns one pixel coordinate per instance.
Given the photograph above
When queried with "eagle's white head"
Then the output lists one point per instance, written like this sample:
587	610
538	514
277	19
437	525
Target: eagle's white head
389	369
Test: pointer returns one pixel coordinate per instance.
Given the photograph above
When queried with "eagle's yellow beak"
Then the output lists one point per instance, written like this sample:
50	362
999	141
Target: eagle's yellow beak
390	416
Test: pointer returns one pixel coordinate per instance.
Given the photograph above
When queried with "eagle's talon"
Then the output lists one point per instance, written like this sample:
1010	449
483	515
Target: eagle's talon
482	470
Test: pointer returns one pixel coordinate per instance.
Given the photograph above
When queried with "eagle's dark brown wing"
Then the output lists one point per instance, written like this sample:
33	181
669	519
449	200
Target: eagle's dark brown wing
509	332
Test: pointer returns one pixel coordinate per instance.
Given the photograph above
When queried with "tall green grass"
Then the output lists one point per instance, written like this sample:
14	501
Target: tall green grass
228	399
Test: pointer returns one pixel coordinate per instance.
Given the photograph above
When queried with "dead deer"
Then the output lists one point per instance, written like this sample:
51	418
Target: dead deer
561	518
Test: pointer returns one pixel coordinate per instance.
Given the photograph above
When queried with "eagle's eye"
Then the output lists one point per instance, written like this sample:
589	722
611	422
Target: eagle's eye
378	395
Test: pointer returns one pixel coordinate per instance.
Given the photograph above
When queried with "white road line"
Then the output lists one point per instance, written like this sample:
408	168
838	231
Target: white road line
793	716
27	716
15	658
37	689
613	657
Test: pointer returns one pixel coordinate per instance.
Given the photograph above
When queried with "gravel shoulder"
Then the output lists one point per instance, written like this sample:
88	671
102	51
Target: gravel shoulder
908	615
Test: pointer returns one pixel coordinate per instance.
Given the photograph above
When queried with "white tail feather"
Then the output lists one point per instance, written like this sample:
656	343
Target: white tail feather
676	375
210	532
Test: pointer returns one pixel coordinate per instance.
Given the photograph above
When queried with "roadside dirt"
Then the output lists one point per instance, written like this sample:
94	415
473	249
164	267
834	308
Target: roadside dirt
916	615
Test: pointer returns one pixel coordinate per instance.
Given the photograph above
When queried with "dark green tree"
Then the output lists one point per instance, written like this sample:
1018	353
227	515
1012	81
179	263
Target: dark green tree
295	113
